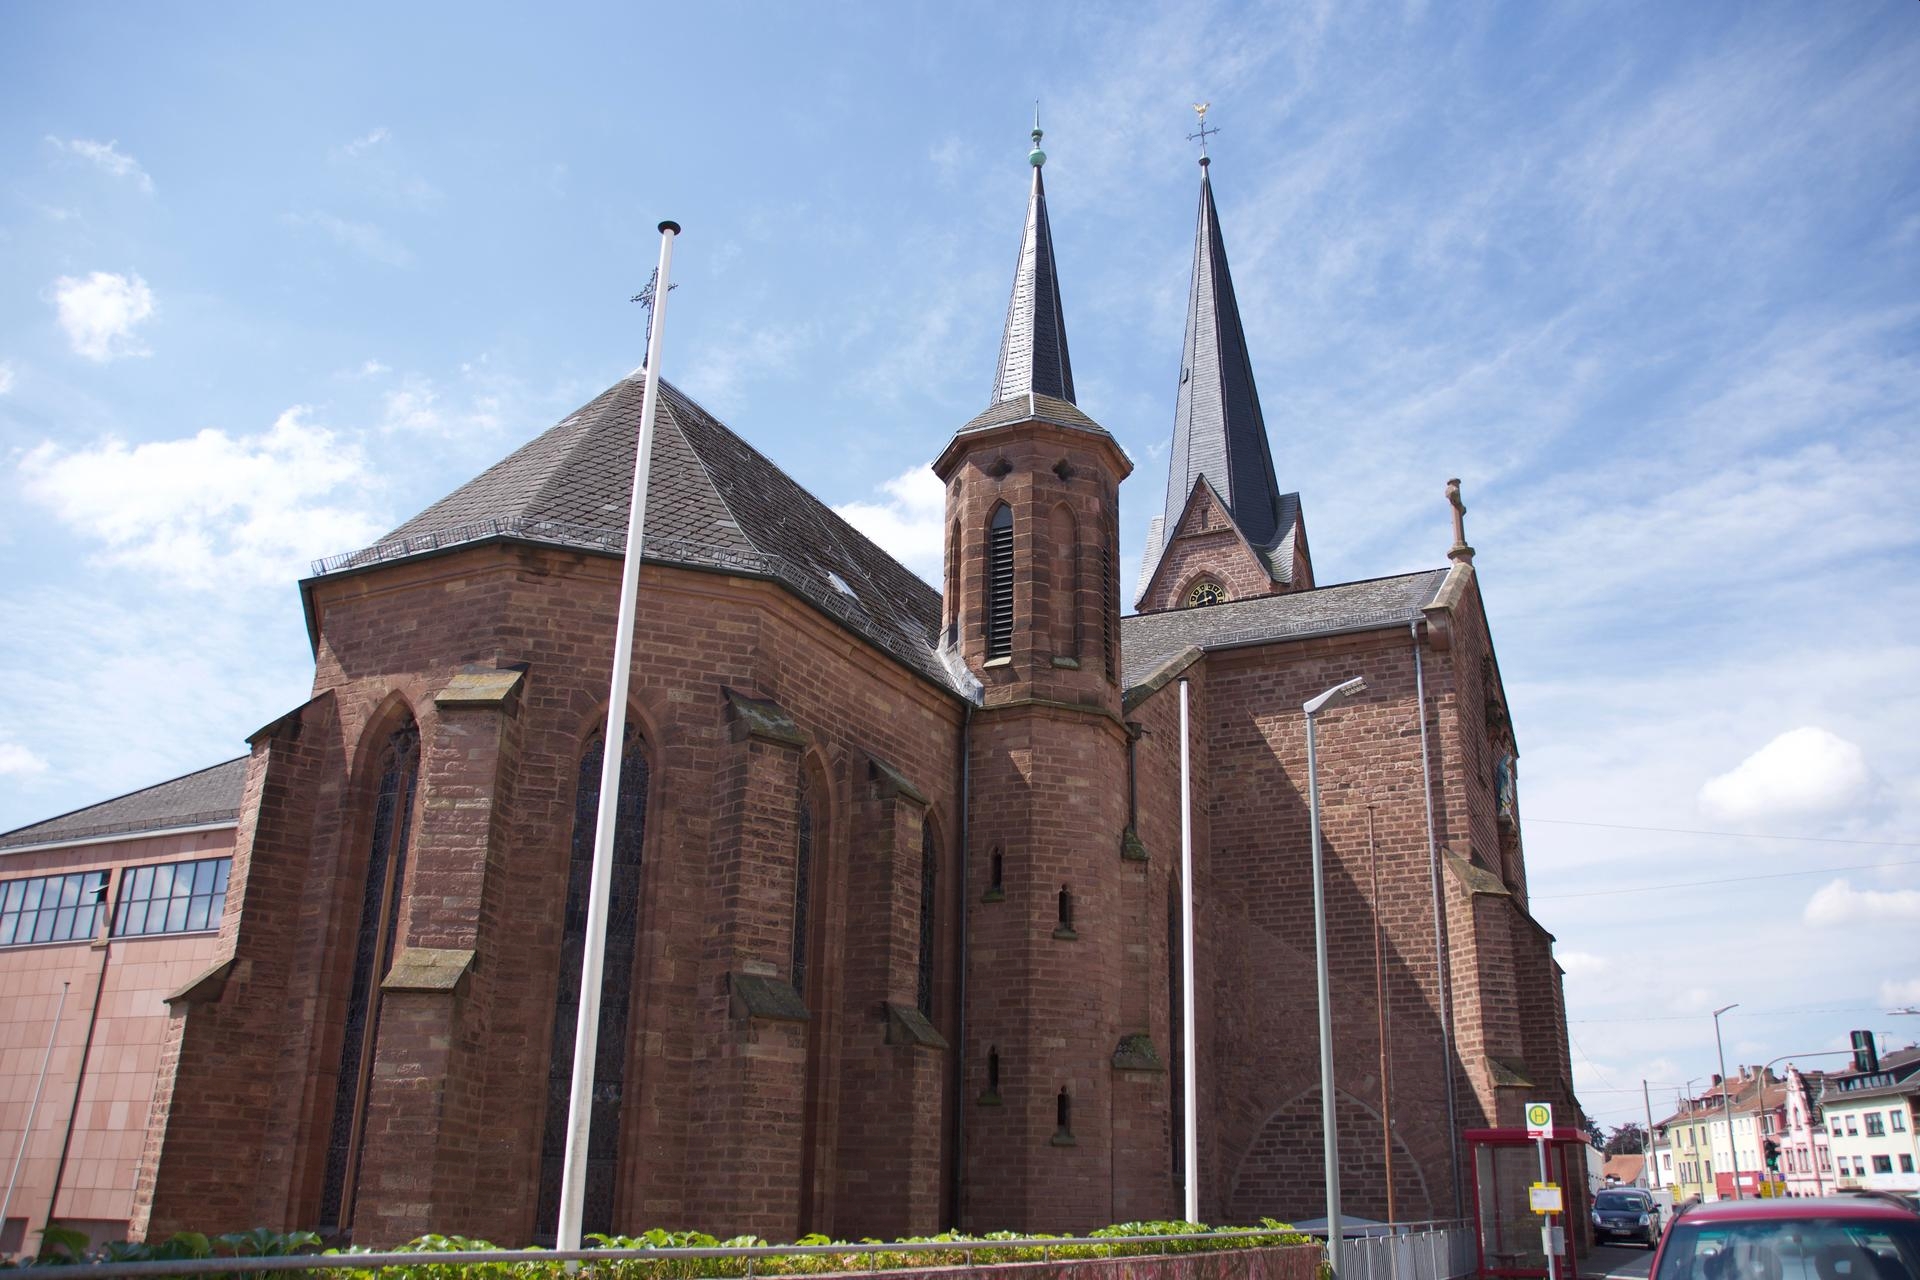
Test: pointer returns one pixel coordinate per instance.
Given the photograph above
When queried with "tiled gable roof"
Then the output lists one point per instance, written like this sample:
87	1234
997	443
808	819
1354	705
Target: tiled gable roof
713	502
1150	639
206	796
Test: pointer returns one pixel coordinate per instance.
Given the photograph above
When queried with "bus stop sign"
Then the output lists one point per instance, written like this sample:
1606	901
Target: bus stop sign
1539	1119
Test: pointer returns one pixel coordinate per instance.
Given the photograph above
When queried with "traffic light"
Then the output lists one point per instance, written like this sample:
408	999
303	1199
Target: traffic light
1865	1056
1772	1151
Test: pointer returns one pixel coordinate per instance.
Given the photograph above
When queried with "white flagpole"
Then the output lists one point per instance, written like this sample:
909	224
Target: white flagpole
1190	1077
586	1035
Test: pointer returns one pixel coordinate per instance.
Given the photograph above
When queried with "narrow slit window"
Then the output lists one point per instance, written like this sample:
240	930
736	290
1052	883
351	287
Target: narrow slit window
1000	583
928	885
802	886
993	1070
1066	909
999	871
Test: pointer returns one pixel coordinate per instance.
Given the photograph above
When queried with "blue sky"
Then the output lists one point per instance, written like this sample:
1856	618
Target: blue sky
1646	276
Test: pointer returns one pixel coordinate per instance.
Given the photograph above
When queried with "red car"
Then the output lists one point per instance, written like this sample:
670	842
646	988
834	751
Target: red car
1823	1238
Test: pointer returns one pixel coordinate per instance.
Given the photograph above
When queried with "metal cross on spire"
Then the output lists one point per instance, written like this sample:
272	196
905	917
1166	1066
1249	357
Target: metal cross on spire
1200	109
646	298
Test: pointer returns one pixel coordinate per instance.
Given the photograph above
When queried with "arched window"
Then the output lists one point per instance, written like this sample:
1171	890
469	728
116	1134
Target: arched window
399	771
928	884
1063	1117
802	884
999	611
1065	927
616	987
1063	611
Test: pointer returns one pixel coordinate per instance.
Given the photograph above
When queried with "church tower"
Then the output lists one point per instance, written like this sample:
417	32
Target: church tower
1032	609
1226	532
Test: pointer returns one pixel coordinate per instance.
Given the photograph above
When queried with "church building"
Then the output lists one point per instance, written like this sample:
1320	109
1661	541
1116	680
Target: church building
895	931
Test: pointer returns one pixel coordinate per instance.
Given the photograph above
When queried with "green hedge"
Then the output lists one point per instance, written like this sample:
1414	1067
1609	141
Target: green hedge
63	1245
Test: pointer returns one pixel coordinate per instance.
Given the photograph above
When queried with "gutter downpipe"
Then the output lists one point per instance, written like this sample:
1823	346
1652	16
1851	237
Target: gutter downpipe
1440	952
958	1201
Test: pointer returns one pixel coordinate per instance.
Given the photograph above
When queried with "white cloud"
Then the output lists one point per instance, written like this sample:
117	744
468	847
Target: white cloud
373	369
363	144
1803	771
1839	903
908	522
99	313
17	761
212	510
1900	991
1581	964
6	376
362	237
108	158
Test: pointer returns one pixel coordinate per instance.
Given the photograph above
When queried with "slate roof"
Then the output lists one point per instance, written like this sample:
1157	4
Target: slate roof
1033	348
1149	639
209	795
713	502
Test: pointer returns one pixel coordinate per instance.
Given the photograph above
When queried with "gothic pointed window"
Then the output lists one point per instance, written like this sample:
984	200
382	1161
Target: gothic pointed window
953	582
928	884
373	945
1000	583
616	986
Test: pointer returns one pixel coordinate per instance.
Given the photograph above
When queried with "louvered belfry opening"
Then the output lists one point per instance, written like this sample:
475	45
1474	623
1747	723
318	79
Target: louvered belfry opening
372	953
1000	583
616	982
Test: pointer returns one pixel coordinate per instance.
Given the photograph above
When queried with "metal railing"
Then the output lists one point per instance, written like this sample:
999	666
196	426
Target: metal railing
752	1256
1441	1249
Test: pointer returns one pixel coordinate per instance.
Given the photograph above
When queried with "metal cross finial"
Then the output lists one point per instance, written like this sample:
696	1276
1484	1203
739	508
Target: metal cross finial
646	299
1200	109
645	296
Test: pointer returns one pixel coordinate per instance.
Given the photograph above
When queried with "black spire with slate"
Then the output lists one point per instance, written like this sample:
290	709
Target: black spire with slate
1218	431
1033	352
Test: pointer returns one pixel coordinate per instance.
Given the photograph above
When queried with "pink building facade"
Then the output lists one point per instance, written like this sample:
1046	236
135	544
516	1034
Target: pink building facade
1805	1163
104	914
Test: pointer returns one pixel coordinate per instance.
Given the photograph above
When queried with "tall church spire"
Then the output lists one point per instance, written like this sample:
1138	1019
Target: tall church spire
1220	473
1218	431
1033	351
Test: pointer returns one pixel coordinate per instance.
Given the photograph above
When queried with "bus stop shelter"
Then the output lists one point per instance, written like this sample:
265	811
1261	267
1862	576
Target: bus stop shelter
1506	1165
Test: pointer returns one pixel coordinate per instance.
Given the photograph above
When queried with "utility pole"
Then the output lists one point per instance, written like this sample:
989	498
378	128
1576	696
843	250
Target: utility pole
1646	1145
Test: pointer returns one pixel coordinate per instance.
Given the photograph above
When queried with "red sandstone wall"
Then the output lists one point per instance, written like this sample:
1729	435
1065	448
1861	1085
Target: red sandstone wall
488	871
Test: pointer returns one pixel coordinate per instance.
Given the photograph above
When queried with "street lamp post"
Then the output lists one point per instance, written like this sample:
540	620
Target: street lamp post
1726	1104
1328	1140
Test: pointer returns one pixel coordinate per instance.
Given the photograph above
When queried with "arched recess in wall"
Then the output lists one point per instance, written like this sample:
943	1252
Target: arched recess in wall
953	583
1063	588
388	762
617	980
1282	1173
809	968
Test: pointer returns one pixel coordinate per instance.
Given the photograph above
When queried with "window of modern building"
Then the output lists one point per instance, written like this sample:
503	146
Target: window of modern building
1876	1125
173	897
1853	1128
51	908
1906	1164
1883	1164
1898	1120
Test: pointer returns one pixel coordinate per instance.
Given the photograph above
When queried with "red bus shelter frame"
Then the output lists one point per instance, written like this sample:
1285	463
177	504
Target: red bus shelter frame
1558	1140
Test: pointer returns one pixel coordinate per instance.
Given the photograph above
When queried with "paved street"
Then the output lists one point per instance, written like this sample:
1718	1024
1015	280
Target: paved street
1615	1262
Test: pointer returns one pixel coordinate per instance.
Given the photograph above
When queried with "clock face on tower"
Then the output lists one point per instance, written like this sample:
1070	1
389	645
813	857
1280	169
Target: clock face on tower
1205	592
